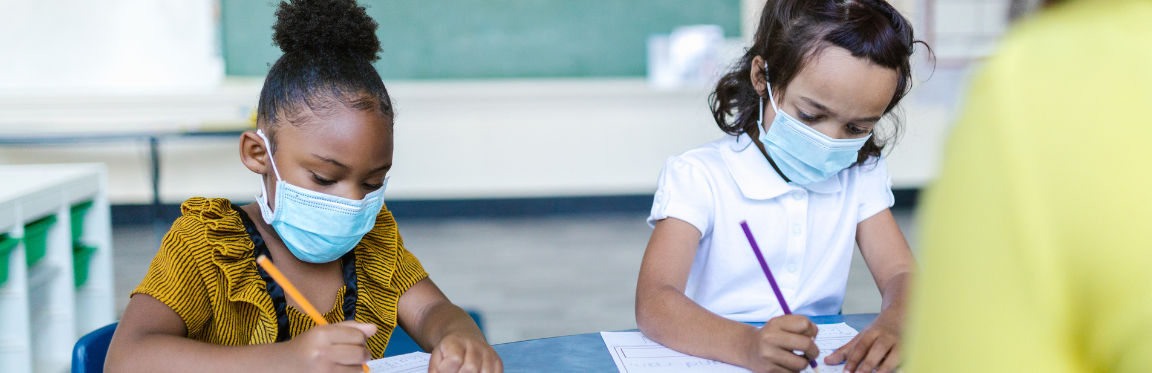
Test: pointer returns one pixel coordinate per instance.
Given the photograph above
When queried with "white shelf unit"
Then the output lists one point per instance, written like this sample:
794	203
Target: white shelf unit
42	310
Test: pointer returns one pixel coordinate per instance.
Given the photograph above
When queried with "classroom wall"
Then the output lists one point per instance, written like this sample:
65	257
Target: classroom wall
108	46
486	39
456	139
461	139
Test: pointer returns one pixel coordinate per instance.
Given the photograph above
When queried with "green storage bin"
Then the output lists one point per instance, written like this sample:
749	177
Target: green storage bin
81	255
7	244
36	238
78	212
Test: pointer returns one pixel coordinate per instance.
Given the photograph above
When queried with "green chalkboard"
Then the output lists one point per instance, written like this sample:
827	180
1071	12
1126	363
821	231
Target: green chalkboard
461	39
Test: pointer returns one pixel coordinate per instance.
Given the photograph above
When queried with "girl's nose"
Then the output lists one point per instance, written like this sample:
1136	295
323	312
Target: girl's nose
351	190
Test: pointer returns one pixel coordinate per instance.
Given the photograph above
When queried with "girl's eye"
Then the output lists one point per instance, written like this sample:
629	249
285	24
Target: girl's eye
856	130
807	117
322	181
373	186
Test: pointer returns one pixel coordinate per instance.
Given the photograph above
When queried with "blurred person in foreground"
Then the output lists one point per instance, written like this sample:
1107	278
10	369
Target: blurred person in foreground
1038	235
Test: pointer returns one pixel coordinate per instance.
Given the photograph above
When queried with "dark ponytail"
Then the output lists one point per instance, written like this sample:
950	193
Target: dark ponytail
329	47
790	31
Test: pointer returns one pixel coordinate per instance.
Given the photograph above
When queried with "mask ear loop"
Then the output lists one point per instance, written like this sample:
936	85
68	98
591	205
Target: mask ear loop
268	145
771	100
266	210
768	86
760	122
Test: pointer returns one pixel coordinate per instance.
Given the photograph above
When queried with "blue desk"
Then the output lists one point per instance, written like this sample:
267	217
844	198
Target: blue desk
587	352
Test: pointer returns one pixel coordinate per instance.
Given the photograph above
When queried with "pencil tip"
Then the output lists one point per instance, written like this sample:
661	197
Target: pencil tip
261	258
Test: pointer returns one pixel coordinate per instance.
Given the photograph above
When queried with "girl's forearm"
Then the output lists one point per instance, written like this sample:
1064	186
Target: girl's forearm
894	295
168	353
443	318
669	317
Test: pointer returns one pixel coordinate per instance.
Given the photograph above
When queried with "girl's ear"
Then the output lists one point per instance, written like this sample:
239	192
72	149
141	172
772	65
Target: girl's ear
253	153
759	76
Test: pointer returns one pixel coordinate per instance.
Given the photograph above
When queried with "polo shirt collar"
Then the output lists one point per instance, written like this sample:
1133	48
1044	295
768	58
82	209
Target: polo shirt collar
756	177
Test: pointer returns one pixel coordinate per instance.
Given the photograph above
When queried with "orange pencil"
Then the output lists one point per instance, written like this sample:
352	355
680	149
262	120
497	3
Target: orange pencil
295	294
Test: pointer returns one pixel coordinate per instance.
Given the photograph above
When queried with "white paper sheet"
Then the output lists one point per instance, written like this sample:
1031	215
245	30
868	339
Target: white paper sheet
831	337
635	353
416	362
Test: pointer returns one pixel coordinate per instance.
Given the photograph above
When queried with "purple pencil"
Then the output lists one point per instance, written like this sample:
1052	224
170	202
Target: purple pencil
771	279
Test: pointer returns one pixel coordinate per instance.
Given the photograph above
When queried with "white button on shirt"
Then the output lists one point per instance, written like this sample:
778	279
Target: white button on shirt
806	233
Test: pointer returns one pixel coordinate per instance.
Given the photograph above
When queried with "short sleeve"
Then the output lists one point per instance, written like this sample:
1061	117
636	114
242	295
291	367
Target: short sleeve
683	192
874	188
409	271
174	277
389	270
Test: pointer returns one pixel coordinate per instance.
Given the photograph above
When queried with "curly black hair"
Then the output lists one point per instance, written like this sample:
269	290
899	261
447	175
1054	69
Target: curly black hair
329	47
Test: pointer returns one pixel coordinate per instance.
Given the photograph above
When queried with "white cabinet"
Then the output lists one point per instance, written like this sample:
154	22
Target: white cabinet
59	282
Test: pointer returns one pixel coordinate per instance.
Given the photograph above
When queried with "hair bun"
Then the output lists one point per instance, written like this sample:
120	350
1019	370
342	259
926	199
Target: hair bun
326	27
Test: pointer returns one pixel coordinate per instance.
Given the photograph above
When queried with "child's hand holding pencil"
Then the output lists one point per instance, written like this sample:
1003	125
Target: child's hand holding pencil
774	345
788	332
339	347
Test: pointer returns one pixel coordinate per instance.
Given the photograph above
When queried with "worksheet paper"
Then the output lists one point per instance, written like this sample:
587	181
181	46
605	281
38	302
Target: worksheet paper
416	362
635	353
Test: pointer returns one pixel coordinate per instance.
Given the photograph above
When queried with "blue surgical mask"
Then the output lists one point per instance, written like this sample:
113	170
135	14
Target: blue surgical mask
804	155
317	227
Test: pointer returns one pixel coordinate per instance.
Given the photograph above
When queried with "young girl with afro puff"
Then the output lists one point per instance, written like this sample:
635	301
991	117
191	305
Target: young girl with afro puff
323	145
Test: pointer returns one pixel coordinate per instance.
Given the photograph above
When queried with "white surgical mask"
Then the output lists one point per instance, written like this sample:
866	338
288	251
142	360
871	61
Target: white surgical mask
317	227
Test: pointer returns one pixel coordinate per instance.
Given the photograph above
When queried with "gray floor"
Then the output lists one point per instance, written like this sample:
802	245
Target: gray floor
529	277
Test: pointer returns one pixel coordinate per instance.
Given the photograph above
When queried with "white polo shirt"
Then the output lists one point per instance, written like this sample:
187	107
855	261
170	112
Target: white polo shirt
806	233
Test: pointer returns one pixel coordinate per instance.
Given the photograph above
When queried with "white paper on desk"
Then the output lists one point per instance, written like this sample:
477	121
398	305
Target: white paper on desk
635	353
416	362
828	339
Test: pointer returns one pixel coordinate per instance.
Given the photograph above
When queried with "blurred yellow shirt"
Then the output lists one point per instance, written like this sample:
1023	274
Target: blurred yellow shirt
1037	246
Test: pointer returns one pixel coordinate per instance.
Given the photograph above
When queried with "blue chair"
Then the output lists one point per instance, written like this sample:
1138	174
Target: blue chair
89	352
